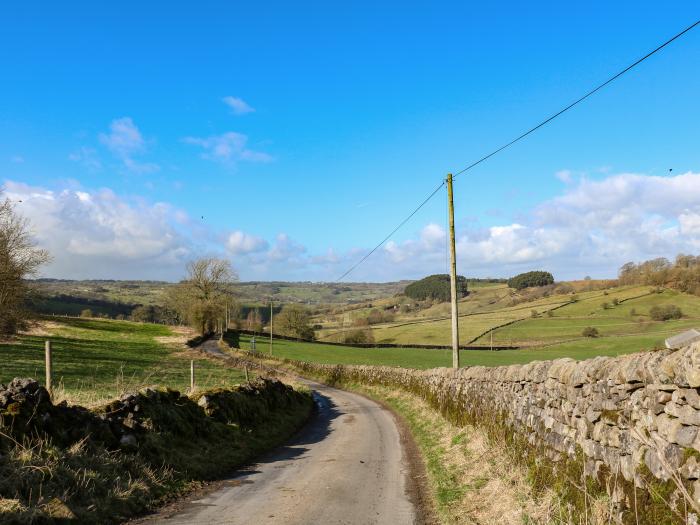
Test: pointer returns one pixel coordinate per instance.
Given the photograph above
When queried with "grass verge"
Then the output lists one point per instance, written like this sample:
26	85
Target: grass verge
497	471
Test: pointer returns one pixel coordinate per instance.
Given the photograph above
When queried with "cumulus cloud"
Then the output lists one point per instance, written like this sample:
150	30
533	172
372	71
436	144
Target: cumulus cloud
125	141
228	148
594	226
238	105
241	243
591	228
98	234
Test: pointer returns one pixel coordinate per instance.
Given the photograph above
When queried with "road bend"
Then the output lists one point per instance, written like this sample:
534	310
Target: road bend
347	466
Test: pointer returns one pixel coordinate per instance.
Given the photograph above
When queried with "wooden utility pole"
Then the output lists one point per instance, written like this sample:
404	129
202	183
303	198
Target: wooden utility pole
47	352
453	275
191	376
270	326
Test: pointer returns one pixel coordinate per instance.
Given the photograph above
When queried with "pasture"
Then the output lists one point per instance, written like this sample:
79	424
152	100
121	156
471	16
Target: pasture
423	359
95	359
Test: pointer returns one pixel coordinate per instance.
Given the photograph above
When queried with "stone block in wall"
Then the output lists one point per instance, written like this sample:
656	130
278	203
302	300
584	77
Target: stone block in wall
592	415
691	397
687	414
674	431
691	468
663	459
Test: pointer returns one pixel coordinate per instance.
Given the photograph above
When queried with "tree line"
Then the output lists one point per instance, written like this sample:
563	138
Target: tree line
683	274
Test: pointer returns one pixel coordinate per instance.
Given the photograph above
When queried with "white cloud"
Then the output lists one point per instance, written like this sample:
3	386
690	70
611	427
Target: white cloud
286	249
125	141
228	148
240	243
591	228
17	159
99	234
238	105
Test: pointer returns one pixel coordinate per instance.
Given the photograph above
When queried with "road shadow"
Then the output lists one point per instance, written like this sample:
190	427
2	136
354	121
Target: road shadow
316	430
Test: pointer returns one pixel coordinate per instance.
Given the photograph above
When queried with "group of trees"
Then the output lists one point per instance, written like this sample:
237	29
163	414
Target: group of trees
204	298
683	274
531	279
19	260
294	321
155	313
436	287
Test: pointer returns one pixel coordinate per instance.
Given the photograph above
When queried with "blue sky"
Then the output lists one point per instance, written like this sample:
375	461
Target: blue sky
291	138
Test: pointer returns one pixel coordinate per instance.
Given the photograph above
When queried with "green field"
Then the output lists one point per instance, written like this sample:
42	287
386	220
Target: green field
95	360
422	359
494	313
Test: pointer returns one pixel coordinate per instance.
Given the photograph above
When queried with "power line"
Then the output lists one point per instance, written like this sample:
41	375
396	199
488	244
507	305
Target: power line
392	232
578	101
520	137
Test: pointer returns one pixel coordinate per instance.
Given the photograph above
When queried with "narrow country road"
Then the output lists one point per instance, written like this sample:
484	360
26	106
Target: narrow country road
346	466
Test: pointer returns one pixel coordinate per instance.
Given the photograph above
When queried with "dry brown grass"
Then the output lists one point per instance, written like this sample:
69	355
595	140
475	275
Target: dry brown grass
474	479
181	335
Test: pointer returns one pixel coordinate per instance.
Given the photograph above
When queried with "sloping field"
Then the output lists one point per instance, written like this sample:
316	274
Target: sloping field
619	325
96	359
480	312
496	313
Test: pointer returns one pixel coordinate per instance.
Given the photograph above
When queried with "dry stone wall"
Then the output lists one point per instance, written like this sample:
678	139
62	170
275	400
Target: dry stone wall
630	416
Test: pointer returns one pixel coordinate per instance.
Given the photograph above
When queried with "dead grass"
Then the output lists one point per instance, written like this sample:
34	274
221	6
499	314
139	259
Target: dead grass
42	328
181	335
475	480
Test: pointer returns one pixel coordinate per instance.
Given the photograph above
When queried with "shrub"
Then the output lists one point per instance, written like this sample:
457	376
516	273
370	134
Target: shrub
534	314
436	287
86	313
605	305
531	279
615	301
379	316
665	312
633	312
550	313
590	331
359	337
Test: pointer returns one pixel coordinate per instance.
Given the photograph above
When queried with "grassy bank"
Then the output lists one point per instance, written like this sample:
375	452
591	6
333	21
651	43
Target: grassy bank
95	360
65	464
474	479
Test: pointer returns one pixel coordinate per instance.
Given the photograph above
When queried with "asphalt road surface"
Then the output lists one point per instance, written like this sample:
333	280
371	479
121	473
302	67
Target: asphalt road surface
346	467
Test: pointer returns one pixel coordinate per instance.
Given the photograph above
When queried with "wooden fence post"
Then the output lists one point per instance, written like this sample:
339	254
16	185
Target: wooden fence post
245	368
191	376
47	352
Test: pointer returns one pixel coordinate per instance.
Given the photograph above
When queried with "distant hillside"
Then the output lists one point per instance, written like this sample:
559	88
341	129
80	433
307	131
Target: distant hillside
112	297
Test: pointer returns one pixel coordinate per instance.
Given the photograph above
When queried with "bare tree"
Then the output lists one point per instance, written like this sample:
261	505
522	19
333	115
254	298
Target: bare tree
201	299
20	259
